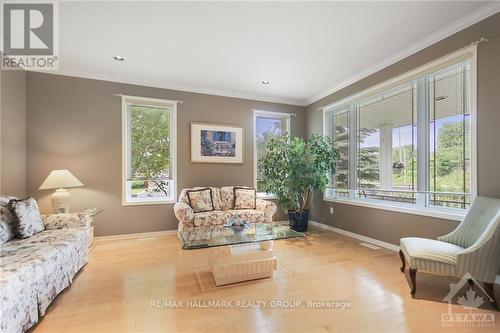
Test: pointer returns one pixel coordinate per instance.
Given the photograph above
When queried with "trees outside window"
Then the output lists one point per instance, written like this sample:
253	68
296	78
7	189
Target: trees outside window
149	154
383	159
266	123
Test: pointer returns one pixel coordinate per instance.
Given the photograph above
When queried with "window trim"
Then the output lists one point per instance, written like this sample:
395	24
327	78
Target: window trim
442	213
270	114
151	102
467	53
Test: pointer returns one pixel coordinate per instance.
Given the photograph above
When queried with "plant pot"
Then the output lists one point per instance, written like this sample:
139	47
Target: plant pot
298	221
397	171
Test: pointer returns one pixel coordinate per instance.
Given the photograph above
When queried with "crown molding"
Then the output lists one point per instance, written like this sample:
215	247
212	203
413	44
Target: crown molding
181	87
466	21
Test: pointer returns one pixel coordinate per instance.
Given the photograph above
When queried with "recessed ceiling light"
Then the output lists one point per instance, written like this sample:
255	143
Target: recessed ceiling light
265	82
118	58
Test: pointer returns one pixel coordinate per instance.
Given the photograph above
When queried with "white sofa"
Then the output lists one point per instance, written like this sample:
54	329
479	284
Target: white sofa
223	202
35	270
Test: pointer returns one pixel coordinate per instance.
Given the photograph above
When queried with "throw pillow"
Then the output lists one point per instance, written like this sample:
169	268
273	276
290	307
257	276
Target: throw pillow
216	198
245	198
201	200
7	231
227	197
26	216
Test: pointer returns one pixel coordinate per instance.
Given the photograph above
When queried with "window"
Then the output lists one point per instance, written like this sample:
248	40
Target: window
339	132
450	137
266	123
149	149
408	142
386	142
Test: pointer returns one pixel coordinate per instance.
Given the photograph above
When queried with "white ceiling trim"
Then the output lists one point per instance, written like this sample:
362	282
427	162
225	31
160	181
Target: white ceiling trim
183	88
439	35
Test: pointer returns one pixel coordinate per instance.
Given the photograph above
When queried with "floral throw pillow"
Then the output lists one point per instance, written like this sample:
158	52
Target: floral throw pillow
201	200
245	198
6	222
26	216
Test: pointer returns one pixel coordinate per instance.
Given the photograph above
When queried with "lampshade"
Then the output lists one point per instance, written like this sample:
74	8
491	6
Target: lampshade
60	179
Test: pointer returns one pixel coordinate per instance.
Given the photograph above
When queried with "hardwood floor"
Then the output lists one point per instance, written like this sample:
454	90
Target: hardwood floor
115	291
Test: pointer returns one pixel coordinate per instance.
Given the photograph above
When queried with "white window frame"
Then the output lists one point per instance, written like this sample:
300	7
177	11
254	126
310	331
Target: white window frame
268	114
149	102
420	73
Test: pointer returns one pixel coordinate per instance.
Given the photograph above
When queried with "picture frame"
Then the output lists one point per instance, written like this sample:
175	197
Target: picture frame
216	143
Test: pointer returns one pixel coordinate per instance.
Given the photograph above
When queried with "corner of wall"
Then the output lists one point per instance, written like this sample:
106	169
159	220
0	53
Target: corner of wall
13	104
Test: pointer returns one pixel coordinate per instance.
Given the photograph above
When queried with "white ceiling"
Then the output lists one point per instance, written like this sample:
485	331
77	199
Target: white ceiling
306	50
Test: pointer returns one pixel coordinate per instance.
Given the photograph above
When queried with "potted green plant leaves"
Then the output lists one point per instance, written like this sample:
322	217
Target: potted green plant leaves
292	168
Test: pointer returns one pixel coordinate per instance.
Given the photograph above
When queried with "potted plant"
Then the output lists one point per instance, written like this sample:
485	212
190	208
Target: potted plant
292	168
397	167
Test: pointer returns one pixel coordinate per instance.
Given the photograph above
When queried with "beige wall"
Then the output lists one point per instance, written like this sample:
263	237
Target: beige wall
75	123
391	226
13	133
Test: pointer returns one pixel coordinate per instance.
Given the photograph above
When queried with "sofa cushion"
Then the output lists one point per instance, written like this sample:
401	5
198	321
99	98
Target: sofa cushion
215	217
227	197
200	200
244	198
247	215
216	199
7	230
27	219
219	217
35	270
429	249
18	304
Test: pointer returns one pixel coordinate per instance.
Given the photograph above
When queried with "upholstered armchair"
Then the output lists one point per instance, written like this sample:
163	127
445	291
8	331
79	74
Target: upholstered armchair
473	247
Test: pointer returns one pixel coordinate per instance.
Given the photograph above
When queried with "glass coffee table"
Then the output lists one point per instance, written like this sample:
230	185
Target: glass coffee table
226	235
239	253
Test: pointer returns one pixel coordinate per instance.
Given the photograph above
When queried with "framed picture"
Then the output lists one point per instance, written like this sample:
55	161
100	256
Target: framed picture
212	143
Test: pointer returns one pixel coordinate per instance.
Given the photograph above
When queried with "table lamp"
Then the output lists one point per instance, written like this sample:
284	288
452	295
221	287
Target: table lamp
60	179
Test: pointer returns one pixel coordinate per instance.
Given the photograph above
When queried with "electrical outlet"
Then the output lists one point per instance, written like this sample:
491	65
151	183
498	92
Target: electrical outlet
331	210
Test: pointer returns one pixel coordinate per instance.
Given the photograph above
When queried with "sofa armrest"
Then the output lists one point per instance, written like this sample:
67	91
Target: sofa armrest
269	208
183	212
70	220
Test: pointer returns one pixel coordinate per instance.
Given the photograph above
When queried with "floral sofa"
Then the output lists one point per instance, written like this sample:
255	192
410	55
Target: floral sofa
35	270
223	204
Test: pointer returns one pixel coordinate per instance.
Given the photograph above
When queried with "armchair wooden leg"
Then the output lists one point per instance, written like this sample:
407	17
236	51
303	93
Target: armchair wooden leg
489	288
413	279
403	261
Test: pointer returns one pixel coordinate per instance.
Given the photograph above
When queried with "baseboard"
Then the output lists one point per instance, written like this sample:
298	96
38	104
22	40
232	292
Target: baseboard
374	241
357	236
138	235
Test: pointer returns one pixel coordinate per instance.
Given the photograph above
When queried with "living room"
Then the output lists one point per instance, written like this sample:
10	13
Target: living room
249	166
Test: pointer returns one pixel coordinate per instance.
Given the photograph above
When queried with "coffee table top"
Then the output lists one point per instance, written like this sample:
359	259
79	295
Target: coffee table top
201	237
